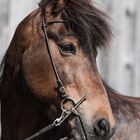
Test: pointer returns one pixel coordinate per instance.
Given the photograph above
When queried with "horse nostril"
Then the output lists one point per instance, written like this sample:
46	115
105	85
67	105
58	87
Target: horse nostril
102	128
104	125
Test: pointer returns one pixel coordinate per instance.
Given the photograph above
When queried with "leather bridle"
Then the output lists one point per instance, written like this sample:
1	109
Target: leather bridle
60	85
62	91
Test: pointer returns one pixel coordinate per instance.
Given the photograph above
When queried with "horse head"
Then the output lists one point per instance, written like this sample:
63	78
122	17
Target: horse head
73	44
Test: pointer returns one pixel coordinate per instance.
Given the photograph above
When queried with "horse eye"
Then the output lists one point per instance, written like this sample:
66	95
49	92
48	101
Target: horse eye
67	48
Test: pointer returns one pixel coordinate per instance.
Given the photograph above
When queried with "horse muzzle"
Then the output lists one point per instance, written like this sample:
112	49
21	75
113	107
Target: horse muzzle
100	130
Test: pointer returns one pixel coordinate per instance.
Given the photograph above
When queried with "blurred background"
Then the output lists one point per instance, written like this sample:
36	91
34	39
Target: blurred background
119	65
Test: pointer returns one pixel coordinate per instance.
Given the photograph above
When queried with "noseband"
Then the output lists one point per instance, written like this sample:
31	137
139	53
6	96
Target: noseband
66	112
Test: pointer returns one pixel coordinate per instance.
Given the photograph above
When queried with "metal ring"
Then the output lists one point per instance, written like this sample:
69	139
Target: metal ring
67	100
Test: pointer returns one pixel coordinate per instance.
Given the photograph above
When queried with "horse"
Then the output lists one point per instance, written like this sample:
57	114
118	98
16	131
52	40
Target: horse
50	87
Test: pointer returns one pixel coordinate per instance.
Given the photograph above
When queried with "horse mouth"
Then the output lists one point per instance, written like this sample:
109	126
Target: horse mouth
71	137
74	137
67	138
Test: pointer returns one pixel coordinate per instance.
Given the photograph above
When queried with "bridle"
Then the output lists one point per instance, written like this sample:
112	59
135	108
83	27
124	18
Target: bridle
62	91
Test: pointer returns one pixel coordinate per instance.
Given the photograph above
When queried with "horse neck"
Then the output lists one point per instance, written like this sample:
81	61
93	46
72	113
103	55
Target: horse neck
121	103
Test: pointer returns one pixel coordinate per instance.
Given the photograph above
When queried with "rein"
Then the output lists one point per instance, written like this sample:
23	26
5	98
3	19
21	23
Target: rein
66	112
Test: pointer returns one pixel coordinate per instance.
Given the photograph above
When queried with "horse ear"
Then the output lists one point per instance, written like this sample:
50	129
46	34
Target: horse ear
58	6
53	7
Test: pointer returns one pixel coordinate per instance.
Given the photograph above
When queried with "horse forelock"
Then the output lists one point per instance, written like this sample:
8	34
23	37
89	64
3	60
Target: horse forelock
87	21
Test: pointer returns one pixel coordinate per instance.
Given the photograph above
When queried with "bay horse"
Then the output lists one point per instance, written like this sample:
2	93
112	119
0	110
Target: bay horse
50	77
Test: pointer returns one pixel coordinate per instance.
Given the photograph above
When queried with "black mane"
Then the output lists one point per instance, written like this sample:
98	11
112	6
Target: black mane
88	22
